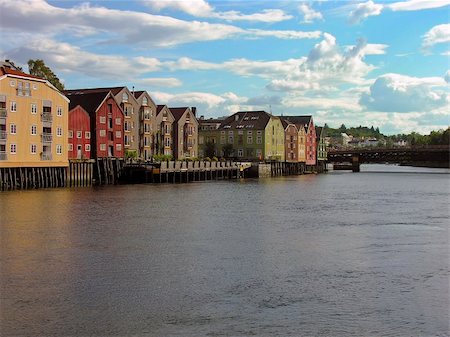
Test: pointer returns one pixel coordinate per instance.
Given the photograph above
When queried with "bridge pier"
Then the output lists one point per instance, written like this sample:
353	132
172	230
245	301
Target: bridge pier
355	163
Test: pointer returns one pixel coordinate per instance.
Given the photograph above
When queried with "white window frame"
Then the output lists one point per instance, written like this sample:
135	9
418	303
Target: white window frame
70	134
70	147
59	131
102	147
87	135
118	121
34	130
58	149
33	147
79	134
102	133
118	147
118	134
87	147
34	108
13	148
102	120
13	129
13	106
59	111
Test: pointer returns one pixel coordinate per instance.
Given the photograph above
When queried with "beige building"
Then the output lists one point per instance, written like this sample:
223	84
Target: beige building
163	144
33	121
185	133
147	123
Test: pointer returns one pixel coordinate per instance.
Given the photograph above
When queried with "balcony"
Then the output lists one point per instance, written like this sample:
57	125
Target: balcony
3	135
47	117
46	156
3	113
3	156
47	137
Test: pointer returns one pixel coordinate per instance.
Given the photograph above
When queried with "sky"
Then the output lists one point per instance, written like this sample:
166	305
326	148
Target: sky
380	63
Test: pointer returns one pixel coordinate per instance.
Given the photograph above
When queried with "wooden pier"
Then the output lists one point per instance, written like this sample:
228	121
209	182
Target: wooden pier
180	172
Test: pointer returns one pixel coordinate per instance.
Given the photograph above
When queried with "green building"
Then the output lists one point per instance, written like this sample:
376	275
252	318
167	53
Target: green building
250	135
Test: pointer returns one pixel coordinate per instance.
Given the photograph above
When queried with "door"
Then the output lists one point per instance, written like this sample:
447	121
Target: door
79	151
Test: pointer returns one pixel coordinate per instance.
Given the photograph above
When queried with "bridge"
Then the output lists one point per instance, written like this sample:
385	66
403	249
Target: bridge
350	159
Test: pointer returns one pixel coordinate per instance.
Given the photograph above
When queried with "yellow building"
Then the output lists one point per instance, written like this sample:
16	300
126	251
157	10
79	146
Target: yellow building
33	121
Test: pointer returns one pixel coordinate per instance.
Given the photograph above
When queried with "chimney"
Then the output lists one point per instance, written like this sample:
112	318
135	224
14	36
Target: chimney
194	111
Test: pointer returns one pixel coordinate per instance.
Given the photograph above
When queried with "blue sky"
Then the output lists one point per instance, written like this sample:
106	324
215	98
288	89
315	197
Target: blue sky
381	63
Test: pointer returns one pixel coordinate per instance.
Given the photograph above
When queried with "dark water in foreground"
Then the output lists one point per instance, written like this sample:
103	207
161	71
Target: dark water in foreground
340	254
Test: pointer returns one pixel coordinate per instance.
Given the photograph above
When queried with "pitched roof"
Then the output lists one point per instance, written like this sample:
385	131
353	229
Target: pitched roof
299	120
247	120
10	71
114	90
159	108
319	130
88	101
138	94
178	112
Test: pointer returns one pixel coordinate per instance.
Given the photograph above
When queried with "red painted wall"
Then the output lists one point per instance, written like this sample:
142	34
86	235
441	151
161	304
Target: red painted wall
79	121
113	135
311	148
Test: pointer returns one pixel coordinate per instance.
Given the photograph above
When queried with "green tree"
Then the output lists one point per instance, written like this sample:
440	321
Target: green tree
227	149
38	68
210	149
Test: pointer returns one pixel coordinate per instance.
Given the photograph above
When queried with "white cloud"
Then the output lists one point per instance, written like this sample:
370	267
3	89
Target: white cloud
414	5
327	67
201	8
102	25
309	14
399	93
364	10
447	76
168	82
437	34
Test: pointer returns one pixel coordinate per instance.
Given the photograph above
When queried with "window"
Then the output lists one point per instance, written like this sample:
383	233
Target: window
110	108
87	147
222	139
102	120
13	106
87	135
118	134
33	108
200	140
58	149
70	134
70	147
13	148
59	131
167	141
118	147
102	133
118	121
79	134
59	111
124	97
13	129
126	126
34	130
127	140
33	149
249	139
35	86
258	139
144	101
12	83
259	153
240	152
103	147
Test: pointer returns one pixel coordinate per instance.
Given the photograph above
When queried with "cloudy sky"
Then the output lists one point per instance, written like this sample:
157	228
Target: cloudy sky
354	62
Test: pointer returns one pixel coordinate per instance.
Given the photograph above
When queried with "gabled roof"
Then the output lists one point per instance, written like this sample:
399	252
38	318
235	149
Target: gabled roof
159	109
286	123
88	101
253	120
178	112
138	94
319	130
10	71
299	120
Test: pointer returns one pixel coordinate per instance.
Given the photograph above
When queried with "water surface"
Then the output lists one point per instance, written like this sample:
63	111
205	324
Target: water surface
339	254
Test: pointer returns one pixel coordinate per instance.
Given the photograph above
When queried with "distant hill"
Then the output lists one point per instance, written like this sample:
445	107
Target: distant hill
360	131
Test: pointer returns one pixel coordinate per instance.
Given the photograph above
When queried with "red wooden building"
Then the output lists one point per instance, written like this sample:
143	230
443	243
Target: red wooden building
106	120
79	134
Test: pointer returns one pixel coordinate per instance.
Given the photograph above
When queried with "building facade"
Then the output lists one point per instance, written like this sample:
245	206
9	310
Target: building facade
310	136
251	135
106	122
33	121
208	137
147	124
185	133
79	134
163	137
291	141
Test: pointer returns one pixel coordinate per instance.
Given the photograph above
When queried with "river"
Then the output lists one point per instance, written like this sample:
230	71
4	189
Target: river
337	254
